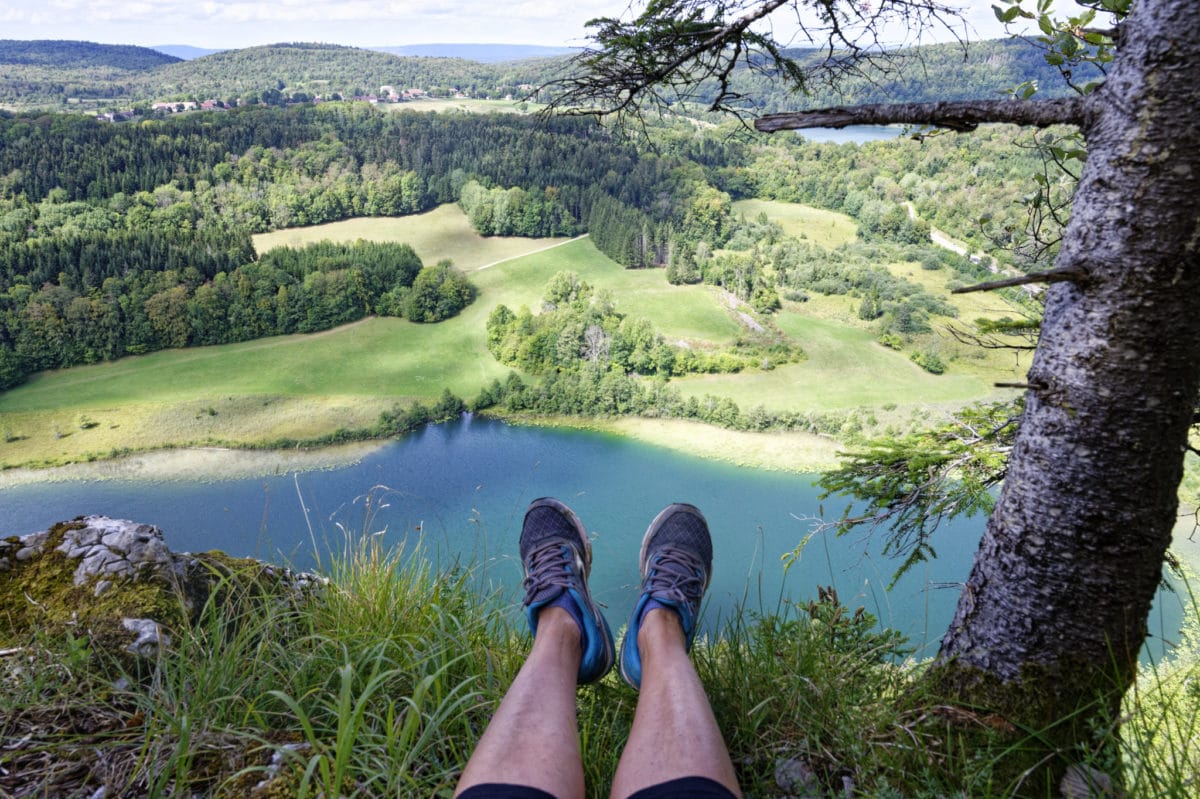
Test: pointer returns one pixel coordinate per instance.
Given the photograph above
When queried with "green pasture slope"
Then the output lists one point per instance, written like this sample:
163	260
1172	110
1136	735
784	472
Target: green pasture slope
846	368
302	386
824	228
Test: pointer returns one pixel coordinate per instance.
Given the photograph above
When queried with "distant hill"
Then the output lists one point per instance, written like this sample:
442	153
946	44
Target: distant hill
327	69
54	74
483	53
928	73
62	54
186	51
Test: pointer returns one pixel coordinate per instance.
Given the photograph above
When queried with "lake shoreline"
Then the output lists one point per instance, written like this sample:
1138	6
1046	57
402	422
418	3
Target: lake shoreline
786	451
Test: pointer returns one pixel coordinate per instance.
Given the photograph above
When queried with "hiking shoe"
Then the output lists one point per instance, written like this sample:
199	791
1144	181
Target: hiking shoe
557	557
676	564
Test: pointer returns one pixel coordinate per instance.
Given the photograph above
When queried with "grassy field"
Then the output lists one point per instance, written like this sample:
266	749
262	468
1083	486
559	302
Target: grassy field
846	368
688	312
826	228
303	386
965	359
441	233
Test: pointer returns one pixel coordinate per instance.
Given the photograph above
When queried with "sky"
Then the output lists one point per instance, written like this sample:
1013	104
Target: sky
361	23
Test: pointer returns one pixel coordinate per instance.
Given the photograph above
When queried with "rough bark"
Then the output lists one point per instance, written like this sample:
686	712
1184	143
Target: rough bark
1056	604
1053	615
960	115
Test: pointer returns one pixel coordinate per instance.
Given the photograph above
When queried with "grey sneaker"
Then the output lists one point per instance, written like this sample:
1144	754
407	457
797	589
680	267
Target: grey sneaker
676	564
557	558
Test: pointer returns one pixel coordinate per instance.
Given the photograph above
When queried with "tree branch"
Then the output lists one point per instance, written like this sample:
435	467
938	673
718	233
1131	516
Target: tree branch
1068	274
666	54
964	116
991	342
719	39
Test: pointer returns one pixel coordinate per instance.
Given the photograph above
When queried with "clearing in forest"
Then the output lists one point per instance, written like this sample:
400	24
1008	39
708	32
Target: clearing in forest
827	229
444	232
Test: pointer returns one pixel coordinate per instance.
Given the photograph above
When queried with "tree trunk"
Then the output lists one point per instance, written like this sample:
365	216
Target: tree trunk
1054	612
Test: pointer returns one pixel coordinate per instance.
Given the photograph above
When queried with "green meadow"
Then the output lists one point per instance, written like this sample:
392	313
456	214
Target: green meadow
441	233
304	386
825	228
846	369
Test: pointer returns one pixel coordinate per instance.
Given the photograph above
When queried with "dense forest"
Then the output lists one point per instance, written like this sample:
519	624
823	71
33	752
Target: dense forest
928	73
68	55
126	238
135	230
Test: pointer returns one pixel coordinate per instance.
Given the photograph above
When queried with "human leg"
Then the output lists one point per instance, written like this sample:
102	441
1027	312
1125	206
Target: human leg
674	734
532	739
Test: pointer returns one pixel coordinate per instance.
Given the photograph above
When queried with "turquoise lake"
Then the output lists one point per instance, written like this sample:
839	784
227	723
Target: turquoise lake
460	491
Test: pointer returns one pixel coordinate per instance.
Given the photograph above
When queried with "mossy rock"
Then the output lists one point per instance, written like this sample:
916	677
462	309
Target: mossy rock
114	581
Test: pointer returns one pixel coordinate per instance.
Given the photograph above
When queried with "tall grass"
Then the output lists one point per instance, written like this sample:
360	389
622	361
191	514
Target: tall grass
1160	737
379	684
375	685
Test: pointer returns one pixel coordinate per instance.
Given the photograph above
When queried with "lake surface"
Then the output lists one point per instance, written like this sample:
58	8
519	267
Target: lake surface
460	490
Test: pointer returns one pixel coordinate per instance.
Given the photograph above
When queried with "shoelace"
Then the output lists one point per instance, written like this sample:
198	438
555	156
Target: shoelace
547	568
675	575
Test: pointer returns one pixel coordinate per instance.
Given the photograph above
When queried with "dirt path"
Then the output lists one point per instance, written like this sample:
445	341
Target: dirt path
531	252
942	240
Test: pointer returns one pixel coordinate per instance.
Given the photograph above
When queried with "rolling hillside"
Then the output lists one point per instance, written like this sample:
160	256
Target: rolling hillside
52	73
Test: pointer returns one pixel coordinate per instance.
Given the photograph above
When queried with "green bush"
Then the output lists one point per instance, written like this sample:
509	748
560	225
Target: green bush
891	341
929	361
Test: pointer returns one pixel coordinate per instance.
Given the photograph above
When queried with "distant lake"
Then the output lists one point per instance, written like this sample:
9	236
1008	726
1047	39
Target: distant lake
461	489
855	134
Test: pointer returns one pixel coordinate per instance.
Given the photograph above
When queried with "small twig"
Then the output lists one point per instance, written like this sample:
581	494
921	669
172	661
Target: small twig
33	601
10	652
1067	274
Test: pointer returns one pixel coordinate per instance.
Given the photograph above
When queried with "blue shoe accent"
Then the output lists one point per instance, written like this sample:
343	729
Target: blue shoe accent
557	557
676	565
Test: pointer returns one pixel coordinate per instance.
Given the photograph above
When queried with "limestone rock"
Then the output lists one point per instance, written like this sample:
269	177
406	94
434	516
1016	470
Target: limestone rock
1085	782
150	637
115	548
117	582
796	778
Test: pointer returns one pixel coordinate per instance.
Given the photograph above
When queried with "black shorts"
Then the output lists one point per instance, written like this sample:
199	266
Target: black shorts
682	788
